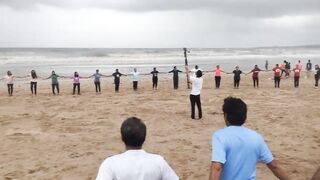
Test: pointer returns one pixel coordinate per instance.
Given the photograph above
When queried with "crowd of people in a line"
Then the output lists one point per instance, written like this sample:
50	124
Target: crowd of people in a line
236	151
280	71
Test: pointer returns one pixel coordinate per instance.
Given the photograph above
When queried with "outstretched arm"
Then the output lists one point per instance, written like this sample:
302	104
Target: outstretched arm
277	170
215	171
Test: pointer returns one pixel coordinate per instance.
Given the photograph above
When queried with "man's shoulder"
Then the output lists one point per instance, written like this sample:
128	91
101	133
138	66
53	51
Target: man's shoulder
229	131
124	156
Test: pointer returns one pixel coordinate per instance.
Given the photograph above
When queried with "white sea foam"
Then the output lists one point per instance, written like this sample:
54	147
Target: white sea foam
66	60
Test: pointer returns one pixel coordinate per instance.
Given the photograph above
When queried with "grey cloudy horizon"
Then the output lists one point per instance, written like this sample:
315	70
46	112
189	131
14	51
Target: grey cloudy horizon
158	23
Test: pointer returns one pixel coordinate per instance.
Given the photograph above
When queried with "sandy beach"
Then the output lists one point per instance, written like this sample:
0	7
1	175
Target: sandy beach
67	137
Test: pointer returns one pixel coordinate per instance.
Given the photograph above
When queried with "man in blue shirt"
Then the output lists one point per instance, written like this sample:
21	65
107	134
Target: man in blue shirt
236	150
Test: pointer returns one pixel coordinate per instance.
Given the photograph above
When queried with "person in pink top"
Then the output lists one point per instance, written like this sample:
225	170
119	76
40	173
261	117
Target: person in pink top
217	76
299	64
9	80
76	83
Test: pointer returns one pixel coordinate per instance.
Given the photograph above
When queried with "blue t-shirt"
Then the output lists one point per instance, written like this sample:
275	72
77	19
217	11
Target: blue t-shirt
239	149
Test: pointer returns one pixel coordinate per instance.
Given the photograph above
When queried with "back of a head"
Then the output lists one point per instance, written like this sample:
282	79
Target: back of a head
199	73
133	132
34	74
235	111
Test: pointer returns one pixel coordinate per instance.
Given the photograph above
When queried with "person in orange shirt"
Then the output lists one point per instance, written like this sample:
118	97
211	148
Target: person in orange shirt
217	76
296	76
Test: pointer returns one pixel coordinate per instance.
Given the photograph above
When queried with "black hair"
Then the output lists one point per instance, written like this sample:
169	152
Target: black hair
235	111
76	74
133	132
199	74
9	73
34	74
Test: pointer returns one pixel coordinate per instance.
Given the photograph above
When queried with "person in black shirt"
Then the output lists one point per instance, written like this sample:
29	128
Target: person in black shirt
316	75
117	75
175	72
236	77
309	65
154	78
309	68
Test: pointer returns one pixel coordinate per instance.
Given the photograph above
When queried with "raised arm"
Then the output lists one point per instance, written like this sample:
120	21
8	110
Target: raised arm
215	171
277	170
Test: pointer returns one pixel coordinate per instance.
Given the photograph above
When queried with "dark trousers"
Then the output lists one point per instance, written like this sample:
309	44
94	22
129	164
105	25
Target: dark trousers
97	85
175	83
255	81
10	89
236	83
277	82
33	87
53	87
135	85
155	82
296	81
195	99
217	80
116	87
316	79
74	88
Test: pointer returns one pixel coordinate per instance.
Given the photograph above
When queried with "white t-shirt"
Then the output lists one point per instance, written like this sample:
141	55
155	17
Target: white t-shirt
9	79
194	71
196	85
136	165
135	76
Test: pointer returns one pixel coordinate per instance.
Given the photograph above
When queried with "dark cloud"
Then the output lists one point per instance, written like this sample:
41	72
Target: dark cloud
242	8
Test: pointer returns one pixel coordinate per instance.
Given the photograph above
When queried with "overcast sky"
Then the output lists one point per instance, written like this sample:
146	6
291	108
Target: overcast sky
159	23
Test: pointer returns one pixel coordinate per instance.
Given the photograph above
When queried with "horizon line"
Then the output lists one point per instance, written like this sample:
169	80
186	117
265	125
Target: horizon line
248	47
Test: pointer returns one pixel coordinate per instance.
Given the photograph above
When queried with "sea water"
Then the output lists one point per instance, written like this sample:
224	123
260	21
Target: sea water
65	61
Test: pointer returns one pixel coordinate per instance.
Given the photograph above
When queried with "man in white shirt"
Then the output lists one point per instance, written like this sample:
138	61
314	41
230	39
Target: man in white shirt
195	69
196	82
135	163
135	79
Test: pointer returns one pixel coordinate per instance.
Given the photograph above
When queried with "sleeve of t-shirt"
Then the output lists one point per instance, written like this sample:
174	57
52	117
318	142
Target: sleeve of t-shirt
218	150
167	172
265	154
105	172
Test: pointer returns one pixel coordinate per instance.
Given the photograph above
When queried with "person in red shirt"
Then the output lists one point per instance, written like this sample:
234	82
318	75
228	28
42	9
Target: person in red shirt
277	76
255	75
296	77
